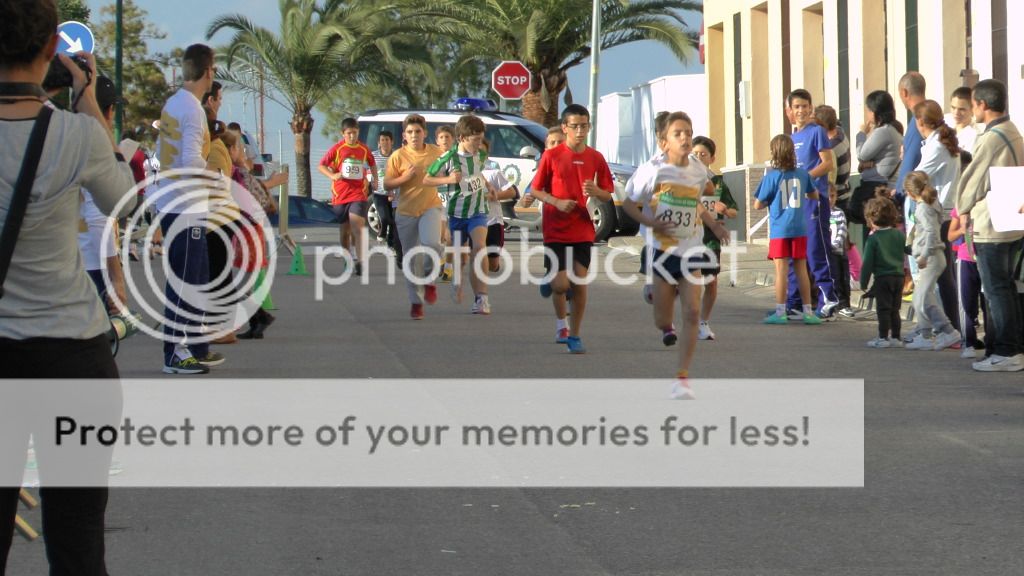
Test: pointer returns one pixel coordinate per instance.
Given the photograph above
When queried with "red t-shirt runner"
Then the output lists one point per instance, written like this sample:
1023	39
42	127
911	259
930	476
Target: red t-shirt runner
351	162
561	173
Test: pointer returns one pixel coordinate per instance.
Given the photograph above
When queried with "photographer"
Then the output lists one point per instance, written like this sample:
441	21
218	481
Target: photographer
52	324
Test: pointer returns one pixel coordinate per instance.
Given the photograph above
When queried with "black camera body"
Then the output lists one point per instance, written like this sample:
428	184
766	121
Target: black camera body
58	76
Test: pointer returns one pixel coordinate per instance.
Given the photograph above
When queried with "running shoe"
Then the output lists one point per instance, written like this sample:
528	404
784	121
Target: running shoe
416	313
920	343
668	337
812	319
545	290
997	363
946	340
430	293
681	390
211	359
704	332
848	312
575	345
481	305
187	366
562	336
879	343
776	319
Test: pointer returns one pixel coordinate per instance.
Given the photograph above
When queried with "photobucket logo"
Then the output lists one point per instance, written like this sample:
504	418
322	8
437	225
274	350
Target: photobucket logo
422	264
193	208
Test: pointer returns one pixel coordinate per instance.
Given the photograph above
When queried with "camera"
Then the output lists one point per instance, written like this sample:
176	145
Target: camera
58	76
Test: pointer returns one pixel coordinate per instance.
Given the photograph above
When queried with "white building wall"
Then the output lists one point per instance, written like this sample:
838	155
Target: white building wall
685	92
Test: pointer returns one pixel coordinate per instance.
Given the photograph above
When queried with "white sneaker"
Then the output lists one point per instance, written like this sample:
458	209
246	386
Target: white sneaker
945	340
997	363
920	343
968	352
704	332
895	343
848	312
481	305
681	390
879	343
649	293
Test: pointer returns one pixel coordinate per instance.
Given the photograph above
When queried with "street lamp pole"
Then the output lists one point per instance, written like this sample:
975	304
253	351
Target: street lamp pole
595	60
118	58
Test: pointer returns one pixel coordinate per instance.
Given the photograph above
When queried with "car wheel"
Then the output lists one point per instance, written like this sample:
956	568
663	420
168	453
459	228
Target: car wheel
603	216
373	219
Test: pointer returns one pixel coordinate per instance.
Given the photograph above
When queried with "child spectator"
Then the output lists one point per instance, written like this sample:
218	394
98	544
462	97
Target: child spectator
970	300
883	259
782	191
839	262
929	253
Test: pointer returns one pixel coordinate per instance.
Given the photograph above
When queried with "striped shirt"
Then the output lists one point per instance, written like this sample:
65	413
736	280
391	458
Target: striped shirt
841	150
468	197
381	160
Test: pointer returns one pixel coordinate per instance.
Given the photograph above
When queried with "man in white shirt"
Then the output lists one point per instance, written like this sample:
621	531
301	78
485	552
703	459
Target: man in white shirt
184	143
961	119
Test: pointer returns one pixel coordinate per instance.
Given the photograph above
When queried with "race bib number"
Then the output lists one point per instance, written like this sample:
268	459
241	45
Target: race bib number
474	185
709	202
352	169
681	212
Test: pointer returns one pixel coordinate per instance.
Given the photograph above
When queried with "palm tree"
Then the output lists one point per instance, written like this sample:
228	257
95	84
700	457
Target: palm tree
320	46
552	36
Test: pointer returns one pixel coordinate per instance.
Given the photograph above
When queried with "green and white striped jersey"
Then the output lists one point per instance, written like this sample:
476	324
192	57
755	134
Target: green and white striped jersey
469	196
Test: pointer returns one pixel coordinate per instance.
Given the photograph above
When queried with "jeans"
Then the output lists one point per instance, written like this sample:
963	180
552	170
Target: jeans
995	264
188	259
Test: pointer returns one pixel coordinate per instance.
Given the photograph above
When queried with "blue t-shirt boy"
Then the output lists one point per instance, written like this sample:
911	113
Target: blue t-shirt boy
783	192
809	142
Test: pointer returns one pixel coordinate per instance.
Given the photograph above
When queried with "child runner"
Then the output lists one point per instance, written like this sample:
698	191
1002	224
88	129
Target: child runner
969	290
567	177
495	224
345	164
444	136
462	169
839	262
419	210
670	194
722	205
929	252
782	190
383	197
645	251
883	258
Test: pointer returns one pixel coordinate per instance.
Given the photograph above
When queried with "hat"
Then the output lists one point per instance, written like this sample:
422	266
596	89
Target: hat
106	93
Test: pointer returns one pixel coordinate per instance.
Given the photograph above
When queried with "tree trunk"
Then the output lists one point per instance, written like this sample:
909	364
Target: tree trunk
302	126
534	101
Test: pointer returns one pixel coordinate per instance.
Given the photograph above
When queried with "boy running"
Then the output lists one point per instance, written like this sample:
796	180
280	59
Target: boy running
721	204
569	175
346	165
462	169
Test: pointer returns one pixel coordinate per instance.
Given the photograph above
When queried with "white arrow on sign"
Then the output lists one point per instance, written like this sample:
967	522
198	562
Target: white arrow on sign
74	46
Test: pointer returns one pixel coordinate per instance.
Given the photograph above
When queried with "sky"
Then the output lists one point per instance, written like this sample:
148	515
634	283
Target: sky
185	22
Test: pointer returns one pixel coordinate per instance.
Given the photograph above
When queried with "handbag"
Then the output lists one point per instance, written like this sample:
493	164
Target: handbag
22	189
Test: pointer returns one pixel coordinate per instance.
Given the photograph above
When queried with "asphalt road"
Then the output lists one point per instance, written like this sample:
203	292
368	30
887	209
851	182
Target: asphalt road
944	455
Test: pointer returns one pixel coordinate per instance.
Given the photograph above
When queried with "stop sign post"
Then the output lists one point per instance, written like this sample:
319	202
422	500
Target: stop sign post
511	80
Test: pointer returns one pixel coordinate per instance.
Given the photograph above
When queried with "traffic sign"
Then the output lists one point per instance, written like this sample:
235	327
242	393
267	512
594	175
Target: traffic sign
75	37
511	80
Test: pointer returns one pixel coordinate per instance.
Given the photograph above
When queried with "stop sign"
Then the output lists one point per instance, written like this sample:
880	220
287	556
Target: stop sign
511	80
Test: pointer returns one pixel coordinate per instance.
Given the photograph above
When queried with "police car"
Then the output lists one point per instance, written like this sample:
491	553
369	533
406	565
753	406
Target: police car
515	145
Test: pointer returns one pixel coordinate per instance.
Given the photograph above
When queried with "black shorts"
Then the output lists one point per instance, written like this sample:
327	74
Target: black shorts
673	267
580	254
342	211
717	269
495	237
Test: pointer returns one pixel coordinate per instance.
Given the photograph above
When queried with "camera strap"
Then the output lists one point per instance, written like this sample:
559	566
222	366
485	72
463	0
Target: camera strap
22	188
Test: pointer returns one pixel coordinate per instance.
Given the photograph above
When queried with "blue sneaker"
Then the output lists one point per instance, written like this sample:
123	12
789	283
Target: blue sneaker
575	345
545	290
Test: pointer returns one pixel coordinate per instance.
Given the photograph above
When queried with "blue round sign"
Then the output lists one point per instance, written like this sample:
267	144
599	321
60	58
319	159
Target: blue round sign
75	37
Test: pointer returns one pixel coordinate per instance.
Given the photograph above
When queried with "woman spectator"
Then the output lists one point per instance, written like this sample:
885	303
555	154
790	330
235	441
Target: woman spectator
52	324
940	160
878	151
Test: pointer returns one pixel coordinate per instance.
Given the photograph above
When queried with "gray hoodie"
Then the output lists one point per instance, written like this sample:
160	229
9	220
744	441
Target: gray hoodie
927	221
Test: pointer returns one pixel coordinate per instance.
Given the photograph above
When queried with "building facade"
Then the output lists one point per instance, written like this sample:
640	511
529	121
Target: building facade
756	51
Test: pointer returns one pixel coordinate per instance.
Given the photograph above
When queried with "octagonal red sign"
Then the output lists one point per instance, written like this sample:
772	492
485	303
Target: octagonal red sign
511	80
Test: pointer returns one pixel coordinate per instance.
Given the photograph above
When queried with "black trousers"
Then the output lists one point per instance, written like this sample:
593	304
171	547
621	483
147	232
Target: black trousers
888	293
840	264
73	518
948	293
